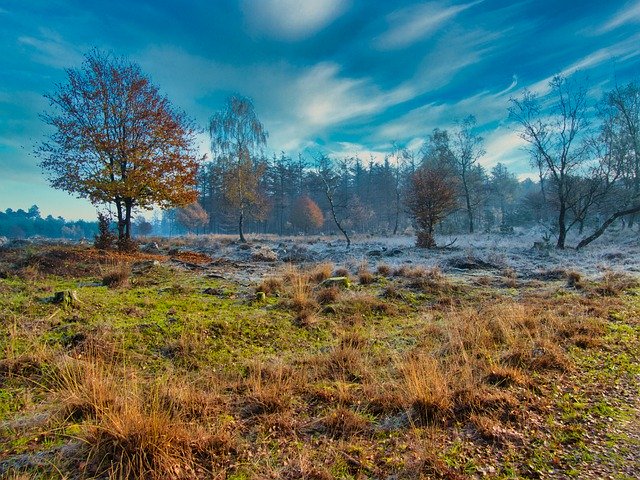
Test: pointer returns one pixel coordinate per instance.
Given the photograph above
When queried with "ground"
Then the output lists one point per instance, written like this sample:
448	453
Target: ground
205	358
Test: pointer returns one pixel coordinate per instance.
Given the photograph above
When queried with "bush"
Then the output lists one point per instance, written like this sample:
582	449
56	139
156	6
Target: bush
106	239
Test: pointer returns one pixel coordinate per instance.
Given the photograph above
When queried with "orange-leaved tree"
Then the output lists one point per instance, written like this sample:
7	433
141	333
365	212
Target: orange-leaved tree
118	141
306	215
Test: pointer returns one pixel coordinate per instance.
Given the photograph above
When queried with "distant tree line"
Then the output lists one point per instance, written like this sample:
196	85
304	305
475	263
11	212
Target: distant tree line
22	224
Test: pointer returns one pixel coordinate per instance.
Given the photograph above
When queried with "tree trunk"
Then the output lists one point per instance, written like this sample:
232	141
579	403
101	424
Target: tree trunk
121	222
335	219
468	202
240	224
562	228
127	219
586	241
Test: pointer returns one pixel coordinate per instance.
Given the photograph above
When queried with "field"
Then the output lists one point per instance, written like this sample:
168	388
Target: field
285	358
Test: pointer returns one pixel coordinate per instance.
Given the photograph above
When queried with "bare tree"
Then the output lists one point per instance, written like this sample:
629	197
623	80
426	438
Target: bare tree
554	137
466	149
236	136
400	156
118	141
617	151
330	182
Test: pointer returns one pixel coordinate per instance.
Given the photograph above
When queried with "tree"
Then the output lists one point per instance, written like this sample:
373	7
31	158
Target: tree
118	141
306	215
192	217
432	196
504	186
236	136
618	152
330	182
466	149
555	142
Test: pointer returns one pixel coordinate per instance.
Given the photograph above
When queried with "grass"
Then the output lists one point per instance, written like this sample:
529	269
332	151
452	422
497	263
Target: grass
415	374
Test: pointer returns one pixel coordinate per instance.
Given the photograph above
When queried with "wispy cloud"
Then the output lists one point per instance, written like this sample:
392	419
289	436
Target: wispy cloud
49	48
291	19
624	51
417	22
297	104
629	14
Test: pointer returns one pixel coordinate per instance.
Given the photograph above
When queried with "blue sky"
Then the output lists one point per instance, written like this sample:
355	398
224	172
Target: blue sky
344	76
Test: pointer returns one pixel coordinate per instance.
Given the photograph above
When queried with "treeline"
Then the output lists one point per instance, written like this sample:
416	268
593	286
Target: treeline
587	157
24	224
369	197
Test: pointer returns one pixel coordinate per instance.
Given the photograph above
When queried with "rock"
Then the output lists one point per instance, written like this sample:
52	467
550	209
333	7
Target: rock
375	253
66	298
261	297
336	281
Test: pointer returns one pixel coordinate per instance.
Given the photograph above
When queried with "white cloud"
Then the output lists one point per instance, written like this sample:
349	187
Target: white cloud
291	19
629	14
51	49
296	104
417	22
504	146
623	50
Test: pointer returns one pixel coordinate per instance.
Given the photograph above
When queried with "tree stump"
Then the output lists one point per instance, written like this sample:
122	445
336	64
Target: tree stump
66	298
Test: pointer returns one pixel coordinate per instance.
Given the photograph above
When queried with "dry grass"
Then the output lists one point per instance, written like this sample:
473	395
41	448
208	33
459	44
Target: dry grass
344	423
321	272
133	429
365	277
117	276
350	397
426	388
383	269
341	272
269	389
271	286
328	295
614	283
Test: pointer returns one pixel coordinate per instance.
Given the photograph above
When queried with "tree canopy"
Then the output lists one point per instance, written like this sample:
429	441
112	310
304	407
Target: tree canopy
117	141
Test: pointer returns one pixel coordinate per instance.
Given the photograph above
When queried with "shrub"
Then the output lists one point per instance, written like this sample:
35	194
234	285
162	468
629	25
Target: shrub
105	239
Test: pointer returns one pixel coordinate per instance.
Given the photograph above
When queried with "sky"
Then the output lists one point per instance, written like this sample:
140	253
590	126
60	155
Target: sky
343	77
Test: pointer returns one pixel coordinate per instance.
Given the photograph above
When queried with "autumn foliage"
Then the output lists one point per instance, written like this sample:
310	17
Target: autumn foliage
431	198
118	141
306	215
192	217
